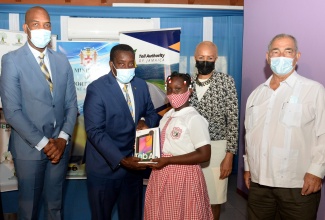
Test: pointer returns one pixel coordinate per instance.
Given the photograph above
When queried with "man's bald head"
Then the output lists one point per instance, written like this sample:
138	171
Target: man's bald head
29	16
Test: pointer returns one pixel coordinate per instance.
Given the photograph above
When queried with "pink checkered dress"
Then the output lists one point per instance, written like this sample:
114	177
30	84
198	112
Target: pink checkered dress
177	192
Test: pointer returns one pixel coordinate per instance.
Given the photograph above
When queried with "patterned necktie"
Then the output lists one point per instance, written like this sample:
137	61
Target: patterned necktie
45	71
128	100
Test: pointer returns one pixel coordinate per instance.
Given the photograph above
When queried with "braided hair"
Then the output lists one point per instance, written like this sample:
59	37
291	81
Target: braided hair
185	76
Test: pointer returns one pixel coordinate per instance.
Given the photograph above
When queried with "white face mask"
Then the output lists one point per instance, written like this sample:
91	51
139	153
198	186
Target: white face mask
124	75
40	37
281	65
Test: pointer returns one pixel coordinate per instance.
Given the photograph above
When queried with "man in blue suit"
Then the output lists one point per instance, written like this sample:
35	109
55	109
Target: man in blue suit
39	102
113	174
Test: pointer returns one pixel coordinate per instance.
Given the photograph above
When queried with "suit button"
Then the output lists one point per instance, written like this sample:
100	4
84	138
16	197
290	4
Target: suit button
53	106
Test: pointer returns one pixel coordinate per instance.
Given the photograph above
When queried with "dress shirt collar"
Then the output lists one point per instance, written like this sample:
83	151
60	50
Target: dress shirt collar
290	81
122	85
36	53
183	111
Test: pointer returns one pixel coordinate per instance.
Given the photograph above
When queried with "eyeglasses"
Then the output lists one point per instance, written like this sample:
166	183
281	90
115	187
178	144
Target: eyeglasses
286	53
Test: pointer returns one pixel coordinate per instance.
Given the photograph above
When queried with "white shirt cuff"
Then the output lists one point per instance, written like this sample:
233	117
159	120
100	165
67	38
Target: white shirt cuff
45	140
317	170
42	143
246	166
64	135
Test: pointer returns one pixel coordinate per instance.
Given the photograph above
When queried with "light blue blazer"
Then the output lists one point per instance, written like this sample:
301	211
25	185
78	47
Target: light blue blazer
27	102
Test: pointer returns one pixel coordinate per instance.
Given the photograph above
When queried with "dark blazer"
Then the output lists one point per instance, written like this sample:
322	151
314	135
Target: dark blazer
27	102
109	124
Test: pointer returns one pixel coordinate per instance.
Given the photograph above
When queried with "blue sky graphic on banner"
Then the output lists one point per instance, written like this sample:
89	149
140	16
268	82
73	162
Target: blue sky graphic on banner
89	61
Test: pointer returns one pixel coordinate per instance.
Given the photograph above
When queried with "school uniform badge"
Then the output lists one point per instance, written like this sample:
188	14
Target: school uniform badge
176	133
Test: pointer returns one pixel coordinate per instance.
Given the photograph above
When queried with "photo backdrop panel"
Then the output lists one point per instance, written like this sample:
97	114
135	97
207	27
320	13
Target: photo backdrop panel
157	55
89	61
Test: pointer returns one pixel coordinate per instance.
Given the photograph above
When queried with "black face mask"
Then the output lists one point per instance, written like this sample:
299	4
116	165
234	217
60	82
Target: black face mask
204	67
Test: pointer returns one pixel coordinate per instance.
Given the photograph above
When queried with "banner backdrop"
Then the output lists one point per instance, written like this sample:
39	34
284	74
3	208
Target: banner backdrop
89	61
157	56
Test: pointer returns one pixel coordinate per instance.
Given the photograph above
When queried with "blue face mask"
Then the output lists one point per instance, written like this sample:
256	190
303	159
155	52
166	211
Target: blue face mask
40	37
281	65
124	75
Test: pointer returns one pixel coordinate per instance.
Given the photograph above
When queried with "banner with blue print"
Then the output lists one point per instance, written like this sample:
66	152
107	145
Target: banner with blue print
157	55
89	61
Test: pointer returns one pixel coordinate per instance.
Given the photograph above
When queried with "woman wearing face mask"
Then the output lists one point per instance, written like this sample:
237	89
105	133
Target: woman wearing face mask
176	188
215	98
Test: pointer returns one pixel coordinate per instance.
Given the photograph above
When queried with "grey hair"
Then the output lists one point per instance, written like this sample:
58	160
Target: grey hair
283	36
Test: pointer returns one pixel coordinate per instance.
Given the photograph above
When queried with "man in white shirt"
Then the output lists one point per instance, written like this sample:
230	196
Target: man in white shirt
285	139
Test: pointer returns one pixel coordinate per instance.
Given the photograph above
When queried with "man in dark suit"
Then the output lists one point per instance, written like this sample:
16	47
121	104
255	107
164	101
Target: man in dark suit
39	102
1	210
113	174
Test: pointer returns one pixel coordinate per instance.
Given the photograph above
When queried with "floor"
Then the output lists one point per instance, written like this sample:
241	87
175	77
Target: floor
233	209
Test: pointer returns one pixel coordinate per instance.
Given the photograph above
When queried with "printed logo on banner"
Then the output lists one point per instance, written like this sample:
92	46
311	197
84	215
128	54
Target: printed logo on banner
88	56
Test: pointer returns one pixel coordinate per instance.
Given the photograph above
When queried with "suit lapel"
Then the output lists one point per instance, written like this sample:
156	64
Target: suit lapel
136	100
36	70
118	95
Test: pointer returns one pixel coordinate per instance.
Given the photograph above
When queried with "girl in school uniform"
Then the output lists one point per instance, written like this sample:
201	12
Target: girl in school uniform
176	188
